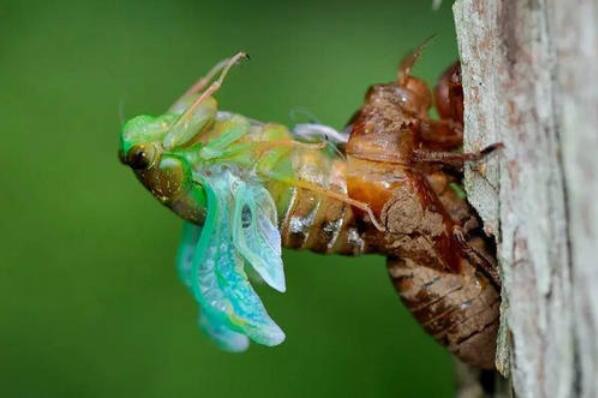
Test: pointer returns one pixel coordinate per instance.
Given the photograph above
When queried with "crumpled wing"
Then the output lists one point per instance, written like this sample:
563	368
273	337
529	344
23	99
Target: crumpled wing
186	250
247	313
214	271
209	320
256	235
225	338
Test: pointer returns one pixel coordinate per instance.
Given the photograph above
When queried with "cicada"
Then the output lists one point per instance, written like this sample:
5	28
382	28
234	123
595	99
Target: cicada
388	184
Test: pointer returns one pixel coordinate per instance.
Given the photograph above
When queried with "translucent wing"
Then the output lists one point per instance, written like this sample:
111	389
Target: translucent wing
209	320
315	130
210	264
255	233
226	338
184	258
247	313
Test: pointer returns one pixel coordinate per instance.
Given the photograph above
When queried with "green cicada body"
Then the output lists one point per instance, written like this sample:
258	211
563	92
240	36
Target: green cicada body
237	182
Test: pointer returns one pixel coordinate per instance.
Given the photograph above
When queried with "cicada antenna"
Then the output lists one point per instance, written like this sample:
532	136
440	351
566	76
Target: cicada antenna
214	87
410	59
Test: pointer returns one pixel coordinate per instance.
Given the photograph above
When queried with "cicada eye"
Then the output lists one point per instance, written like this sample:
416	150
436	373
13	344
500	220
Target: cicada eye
140	157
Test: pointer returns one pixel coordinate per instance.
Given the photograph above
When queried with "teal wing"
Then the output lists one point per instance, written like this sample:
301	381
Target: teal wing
247	313
225	338
184	258
211	265
209	320
255	233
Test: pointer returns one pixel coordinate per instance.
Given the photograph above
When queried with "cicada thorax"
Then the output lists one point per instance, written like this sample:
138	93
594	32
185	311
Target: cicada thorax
433	238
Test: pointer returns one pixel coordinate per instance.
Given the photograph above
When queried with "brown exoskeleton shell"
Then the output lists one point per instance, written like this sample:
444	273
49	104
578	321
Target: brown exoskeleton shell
404	165
405	169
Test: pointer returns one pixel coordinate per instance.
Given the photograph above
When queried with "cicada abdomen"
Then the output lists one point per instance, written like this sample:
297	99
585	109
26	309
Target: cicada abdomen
314	220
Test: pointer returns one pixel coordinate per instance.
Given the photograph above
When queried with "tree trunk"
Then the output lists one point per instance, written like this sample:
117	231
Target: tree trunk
529	76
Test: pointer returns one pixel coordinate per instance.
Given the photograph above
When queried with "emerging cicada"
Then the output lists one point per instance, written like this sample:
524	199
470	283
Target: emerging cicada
247	188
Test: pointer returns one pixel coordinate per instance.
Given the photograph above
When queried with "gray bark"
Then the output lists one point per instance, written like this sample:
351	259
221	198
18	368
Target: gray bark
529	76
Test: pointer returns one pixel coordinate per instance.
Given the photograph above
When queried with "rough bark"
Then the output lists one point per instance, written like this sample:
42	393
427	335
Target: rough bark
529	69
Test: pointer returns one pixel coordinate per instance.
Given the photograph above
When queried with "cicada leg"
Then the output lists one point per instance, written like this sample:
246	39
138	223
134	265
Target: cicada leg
448	95
213	88
477	257
263	146
443	135
454	159
410	59
203	81
200	112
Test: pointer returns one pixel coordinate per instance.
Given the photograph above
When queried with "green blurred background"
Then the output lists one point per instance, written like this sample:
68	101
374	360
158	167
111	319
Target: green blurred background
90	304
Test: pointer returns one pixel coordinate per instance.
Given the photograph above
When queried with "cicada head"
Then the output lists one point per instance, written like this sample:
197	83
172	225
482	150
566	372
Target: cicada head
160	169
